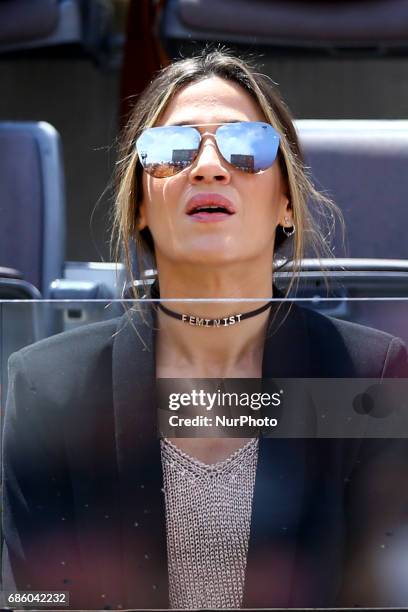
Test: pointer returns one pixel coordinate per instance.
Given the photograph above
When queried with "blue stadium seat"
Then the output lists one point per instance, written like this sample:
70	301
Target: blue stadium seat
32	202
32	207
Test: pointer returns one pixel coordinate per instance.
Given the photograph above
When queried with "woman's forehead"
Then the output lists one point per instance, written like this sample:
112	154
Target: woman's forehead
211	100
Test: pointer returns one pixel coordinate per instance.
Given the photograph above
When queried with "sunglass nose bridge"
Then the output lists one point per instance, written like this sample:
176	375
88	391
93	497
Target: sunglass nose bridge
209	163
204	141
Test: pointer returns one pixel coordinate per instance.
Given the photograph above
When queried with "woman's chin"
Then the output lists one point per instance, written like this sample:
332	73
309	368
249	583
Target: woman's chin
212	254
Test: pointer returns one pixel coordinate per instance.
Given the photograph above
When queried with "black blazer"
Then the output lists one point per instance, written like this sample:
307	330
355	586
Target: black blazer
83	499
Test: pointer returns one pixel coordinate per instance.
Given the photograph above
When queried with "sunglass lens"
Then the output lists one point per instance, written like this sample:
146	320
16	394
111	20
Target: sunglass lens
250	146
165	151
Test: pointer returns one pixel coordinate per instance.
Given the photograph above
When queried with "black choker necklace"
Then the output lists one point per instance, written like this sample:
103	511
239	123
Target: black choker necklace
203	322
221	322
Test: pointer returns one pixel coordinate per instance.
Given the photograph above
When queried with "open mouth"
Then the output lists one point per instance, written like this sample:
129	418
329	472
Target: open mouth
210	210
209	207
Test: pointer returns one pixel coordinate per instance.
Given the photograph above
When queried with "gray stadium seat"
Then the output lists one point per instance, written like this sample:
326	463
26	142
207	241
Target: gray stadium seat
379	26
362	165
27	25
17	289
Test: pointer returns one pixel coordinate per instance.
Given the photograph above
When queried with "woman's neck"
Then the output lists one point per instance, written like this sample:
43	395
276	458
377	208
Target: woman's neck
186	349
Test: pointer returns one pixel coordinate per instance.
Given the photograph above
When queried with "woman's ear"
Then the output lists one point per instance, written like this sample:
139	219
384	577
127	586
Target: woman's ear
286	211
285	206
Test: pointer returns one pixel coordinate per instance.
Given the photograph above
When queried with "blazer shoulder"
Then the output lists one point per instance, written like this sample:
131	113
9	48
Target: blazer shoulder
372	352
67	356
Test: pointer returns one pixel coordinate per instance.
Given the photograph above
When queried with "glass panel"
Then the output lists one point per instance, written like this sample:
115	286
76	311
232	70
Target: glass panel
131	480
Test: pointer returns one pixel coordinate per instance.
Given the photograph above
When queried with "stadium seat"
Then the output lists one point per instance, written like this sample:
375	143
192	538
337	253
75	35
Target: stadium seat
13	287
38	25
370	26
362	165
32	205
32	202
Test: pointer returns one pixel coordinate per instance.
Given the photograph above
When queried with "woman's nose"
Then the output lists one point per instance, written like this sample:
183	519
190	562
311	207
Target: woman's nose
209	166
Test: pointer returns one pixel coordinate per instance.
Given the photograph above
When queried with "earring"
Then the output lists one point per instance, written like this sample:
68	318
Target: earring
287	232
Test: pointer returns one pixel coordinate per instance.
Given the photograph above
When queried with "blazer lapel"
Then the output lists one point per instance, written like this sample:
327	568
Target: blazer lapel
139	462
280	480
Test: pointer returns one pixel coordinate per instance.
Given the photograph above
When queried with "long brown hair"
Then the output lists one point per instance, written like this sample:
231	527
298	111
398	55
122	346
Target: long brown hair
313	221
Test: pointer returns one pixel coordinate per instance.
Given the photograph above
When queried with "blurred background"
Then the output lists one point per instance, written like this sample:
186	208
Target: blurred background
340	59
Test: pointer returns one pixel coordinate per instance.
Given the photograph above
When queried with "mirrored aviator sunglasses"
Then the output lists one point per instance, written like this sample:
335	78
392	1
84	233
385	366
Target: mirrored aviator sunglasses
250	146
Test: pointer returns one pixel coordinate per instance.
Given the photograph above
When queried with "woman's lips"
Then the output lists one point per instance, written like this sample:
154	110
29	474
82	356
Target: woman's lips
209	217
208	201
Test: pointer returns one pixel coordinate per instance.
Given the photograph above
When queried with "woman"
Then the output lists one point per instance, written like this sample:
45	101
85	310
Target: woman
211	184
